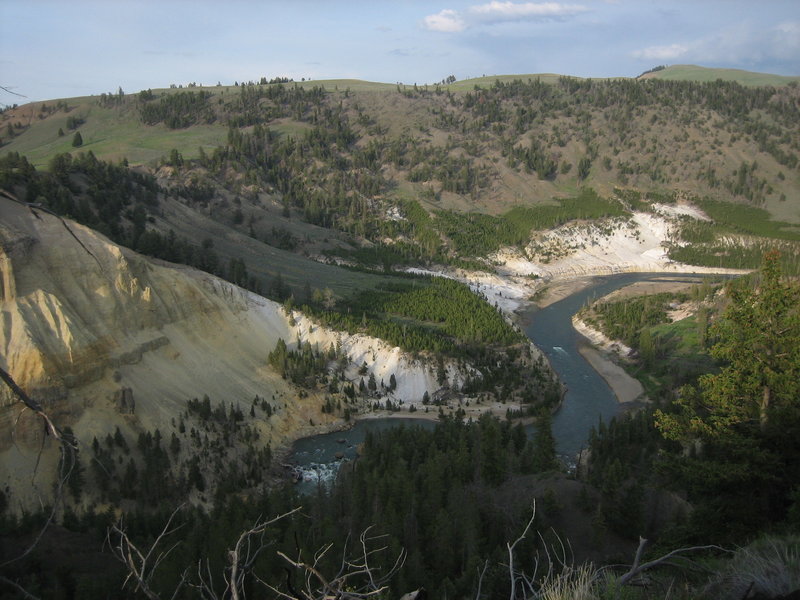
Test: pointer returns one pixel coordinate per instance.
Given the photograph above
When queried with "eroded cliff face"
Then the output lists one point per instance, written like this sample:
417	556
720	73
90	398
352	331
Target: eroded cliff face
72	300
103	338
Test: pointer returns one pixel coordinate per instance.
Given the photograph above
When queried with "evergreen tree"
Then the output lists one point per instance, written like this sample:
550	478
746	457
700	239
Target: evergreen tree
76	480
759	339
544	444
77	140
740	429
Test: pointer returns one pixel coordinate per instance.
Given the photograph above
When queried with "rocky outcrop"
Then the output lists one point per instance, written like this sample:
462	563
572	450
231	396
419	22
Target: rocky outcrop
123	399
368	356
635	244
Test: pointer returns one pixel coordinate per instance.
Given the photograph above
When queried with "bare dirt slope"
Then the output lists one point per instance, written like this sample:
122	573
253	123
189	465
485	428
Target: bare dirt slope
83	320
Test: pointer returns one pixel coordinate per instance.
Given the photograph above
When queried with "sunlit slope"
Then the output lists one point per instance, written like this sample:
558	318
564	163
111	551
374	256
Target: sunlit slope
703	74
84	318
485	144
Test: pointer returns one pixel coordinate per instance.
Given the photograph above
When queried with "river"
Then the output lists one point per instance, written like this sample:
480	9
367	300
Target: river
587	400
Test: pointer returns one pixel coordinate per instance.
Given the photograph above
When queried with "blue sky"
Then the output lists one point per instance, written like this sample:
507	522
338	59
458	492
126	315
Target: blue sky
79	47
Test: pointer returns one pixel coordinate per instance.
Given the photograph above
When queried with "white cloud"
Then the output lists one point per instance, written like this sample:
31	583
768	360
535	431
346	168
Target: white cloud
451	21
786	40
671	52
447	21
791	28
738	46
495	11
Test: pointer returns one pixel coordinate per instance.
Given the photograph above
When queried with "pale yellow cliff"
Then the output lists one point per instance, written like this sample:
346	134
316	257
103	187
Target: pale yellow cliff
83	319
103	337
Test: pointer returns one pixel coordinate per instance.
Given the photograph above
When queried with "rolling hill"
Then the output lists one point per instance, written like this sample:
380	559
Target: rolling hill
520	139
706	74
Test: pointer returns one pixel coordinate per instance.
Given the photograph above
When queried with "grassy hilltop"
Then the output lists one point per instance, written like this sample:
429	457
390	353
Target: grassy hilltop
705	74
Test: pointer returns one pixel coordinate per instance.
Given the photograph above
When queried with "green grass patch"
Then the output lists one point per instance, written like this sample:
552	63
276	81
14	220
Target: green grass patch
706	249
476	234
739	218
112	134
737	257
685	334
486	81
682	346
705	74
424	315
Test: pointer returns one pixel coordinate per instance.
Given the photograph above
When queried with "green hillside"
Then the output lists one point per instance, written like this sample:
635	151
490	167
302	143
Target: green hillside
705	74
383	175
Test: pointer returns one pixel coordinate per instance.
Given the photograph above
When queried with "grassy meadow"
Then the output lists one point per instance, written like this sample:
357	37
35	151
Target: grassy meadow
705	74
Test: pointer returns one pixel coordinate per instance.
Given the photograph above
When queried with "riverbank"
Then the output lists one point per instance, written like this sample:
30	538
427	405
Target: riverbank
598	388
626	388
472	410
599	351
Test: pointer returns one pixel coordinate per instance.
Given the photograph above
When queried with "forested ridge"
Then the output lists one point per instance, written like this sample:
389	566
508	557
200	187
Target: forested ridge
547	153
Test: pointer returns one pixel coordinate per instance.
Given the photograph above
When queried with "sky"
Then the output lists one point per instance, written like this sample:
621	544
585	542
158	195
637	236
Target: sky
66	48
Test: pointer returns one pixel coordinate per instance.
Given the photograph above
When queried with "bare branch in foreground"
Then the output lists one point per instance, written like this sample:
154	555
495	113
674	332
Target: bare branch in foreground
510	547
68	459
10	91
25	593
37	408
480	579
356	580
637	569
244	554
139	565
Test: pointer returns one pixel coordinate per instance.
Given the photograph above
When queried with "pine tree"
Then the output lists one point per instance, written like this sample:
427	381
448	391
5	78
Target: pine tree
544	444
759	338
77	140
740	429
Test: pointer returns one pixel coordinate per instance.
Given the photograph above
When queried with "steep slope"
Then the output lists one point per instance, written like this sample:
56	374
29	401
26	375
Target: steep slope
76	308
103	338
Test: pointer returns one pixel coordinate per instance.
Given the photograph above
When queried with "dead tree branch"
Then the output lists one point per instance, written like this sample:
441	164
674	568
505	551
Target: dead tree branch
357	579
10	91
68	448
142	566
50	427
244	553
510	547
637	568
25	593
